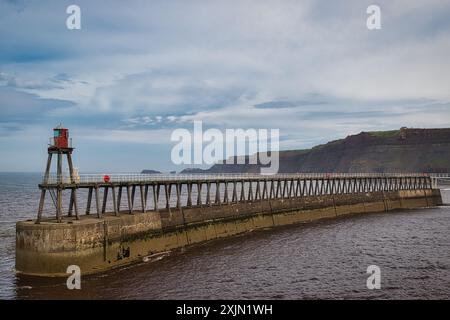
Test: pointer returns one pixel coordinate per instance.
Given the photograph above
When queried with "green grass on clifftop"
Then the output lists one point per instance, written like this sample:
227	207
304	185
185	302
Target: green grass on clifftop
384	134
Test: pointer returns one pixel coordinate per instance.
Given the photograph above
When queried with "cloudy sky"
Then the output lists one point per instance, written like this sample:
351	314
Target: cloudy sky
137	70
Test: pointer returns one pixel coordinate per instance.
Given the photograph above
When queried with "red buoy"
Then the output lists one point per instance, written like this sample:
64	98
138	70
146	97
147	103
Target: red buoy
106	178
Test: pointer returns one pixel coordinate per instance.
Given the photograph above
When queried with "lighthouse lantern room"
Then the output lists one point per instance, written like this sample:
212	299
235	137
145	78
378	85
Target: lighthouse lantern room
60	145
60	138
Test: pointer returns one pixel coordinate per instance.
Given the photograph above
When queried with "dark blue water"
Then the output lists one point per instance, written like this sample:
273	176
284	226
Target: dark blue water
325	259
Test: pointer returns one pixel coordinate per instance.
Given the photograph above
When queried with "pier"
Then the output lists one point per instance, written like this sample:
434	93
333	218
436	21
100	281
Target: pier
127	218
186	191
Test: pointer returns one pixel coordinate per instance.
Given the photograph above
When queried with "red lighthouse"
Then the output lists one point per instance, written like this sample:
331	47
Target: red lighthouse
60	139
60	145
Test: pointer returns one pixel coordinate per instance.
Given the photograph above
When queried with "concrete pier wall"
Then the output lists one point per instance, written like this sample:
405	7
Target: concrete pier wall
96	245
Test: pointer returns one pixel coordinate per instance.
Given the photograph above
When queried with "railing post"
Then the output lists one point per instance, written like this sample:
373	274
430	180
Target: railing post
225	195
105	198
89	200
217	199
119	198
271	191
115	208
141	189
145	196
133	192
130	201
297	188
283	192
277	195
199	195
97	202
155	190
242	198
208	193
250	191
258	192
41	206
189	190
264	192
167	196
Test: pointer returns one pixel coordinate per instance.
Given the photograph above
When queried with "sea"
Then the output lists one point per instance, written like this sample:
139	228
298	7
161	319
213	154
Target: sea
326	259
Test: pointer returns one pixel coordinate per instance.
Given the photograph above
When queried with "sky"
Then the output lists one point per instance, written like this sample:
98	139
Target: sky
138	70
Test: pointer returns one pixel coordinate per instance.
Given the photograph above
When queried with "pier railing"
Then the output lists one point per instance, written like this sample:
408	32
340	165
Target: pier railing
138	177
439	178
440	175
151	192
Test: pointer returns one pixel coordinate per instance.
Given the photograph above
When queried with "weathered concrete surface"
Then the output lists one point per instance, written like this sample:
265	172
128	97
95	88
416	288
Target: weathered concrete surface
47	249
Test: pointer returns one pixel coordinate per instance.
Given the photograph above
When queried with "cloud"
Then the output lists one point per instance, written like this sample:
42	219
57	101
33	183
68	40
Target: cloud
142	137
288	104
25	107
309	68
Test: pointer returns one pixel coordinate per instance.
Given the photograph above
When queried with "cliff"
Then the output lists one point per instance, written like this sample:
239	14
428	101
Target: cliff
150	171
404	150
